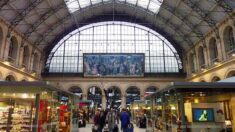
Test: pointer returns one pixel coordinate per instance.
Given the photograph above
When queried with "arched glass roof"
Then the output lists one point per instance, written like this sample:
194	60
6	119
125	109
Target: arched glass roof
113	37
150	5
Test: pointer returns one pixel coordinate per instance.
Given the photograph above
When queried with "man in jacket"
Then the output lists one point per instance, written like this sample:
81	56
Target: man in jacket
125	120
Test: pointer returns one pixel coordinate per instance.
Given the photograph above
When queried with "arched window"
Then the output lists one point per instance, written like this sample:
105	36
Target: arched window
132	94
202	81
114	97
114	37
77	91
215	79
229	41
25	56
13	49
95	94
192	62
213	50
201	57
231	74
10	78
150	90
35	62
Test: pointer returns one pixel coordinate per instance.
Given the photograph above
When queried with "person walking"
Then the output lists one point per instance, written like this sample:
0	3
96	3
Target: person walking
102	119
125	120
97	123
111	120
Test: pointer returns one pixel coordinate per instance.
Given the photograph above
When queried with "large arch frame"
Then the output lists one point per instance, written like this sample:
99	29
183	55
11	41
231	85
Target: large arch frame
137	28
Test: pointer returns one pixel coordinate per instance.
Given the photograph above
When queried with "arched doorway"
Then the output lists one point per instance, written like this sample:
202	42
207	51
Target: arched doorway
113	96
231	74
150	90
132	94
10	78
77	91
215	79
94	94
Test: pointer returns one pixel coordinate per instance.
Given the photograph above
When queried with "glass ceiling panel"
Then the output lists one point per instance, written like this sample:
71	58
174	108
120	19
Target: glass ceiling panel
150	5
143	3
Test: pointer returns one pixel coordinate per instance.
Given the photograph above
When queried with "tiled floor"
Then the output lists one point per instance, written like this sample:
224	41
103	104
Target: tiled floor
88	129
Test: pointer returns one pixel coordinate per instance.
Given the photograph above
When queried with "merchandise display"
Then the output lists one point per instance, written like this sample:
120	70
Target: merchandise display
43	108
3	117
16	117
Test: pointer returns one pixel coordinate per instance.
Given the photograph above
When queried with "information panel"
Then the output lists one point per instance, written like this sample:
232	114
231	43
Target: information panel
113	65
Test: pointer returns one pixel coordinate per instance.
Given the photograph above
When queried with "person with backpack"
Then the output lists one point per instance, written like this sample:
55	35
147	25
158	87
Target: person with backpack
111	121
125	120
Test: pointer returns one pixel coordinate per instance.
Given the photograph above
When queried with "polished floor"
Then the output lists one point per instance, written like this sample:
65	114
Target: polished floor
89	126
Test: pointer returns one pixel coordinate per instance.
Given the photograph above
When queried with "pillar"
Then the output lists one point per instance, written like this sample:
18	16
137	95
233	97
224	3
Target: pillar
104	101
232	102
220	49
163	113
182	113
20	56
6	47
35	122
123	104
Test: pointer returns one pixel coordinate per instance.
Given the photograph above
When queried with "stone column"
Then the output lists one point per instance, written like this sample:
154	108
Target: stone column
84	97
219	49
5	52
123	105
20	56
104	102
233	111
142	97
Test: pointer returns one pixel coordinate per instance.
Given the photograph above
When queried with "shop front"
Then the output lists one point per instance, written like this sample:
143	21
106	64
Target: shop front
140	112
194	107
34	106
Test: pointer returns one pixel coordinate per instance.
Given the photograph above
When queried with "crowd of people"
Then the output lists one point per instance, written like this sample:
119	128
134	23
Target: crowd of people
108	120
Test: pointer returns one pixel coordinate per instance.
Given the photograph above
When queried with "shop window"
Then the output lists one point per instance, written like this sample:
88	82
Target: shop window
95	94
213	50
25	56
13	48
201	57
35	62
10	78
229	41
77	91
192	61
132	94
215	79
1	39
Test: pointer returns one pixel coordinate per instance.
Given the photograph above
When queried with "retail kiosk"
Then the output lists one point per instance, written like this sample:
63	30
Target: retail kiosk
34	106
194	107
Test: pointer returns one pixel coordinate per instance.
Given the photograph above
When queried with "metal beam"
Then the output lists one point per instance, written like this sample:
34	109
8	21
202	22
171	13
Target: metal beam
174	27
43	18
158	17
25	12
183	19
202	13
3	3
222	3
55	25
